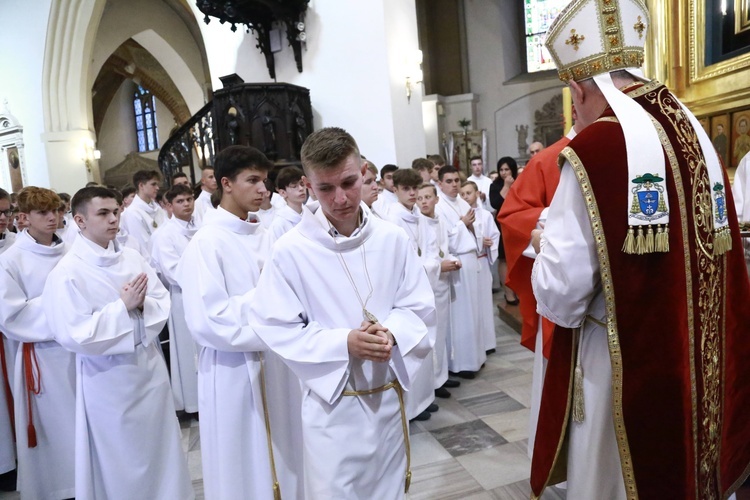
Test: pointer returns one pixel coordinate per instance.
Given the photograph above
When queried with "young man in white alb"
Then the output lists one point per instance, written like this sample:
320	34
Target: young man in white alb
106	304
354	335
406	215
427	198
144	215
487	237
44	379
467	347
482	182
167	246
387	196
248	400
291	188
203	201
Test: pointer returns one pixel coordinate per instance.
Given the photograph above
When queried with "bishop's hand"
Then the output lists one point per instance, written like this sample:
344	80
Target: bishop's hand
133	294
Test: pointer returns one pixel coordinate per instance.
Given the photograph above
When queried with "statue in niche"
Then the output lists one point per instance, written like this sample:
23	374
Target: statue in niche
269	136
300	133
523	133
233	125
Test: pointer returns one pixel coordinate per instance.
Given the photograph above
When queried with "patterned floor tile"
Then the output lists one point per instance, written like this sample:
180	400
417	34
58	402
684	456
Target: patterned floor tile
490	404
469	437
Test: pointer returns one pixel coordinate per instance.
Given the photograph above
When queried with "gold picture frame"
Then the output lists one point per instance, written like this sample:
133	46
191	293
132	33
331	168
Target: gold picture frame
741	16
697	44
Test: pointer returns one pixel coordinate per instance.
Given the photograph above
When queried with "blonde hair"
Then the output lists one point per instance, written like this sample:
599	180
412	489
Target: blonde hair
36	198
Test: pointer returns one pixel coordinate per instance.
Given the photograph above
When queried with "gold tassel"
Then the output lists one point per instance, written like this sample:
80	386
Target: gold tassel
408	482
579	410
666	238
650	239
640	241
729	238
276	491
629	245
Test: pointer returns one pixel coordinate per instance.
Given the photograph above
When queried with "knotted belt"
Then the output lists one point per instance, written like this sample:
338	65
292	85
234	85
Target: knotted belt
6	386
404	422
33	387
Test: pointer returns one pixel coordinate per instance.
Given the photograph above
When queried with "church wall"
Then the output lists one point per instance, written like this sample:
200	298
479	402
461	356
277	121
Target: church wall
23	41
494	47
349	68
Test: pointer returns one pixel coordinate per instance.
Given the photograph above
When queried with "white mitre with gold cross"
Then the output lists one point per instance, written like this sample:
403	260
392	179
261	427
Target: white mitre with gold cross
590	39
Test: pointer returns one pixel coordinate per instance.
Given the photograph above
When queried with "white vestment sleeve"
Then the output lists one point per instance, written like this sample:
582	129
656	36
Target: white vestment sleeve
412	322
740	190
165	257
565	276
21	319
430	253
156	306
215	319
318	356
79	328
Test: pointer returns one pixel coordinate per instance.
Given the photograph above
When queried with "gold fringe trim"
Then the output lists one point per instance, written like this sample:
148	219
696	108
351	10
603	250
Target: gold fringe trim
722	240
652	240
629	245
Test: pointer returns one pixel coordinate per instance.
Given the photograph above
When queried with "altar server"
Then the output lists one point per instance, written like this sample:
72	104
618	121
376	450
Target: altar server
467	344
355	336
487	237
144	215
7	351
107	305
405	214
167	246
203	201
218	274
292	190
44	379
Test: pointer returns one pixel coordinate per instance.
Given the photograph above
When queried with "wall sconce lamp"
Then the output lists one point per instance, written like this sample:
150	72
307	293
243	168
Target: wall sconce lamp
413	72
89	153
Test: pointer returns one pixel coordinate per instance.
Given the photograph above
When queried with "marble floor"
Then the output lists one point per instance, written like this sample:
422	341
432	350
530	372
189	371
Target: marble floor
474	447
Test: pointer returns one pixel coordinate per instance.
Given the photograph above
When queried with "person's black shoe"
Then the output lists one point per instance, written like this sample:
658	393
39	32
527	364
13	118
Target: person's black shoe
8	481
451	384
425	415
489	351
433	408
442	392
466	374
495	290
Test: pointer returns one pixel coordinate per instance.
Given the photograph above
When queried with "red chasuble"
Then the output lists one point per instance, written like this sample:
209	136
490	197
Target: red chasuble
678	326
529	195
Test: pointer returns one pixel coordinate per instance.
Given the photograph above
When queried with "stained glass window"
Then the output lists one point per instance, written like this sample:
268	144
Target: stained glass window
144	107
539	14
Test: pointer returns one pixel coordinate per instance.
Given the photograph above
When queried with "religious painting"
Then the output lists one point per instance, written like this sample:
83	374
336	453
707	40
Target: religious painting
722	42
706	124
740	135
463	145
719	133
14	169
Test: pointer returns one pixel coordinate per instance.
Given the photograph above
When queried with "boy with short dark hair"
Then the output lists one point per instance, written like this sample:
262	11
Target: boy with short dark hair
218	273
424	167
167	246
468	351
144	215
292	189
44	379
488	237
405	214
107	305
386	196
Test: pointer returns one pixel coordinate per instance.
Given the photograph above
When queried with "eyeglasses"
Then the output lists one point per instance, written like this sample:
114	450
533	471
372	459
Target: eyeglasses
7	213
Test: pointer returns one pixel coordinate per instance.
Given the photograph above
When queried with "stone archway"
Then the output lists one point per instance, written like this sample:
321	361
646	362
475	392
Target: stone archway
67	80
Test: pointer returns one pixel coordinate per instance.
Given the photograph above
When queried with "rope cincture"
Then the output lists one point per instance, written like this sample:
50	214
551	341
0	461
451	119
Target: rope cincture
274	479
33	387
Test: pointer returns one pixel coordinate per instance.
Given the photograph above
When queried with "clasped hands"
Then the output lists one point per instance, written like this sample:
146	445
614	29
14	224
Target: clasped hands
371	342
133	294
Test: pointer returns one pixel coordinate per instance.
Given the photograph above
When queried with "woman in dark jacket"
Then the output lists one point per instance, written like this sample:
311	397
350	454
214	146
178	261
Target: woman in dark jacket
507	172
